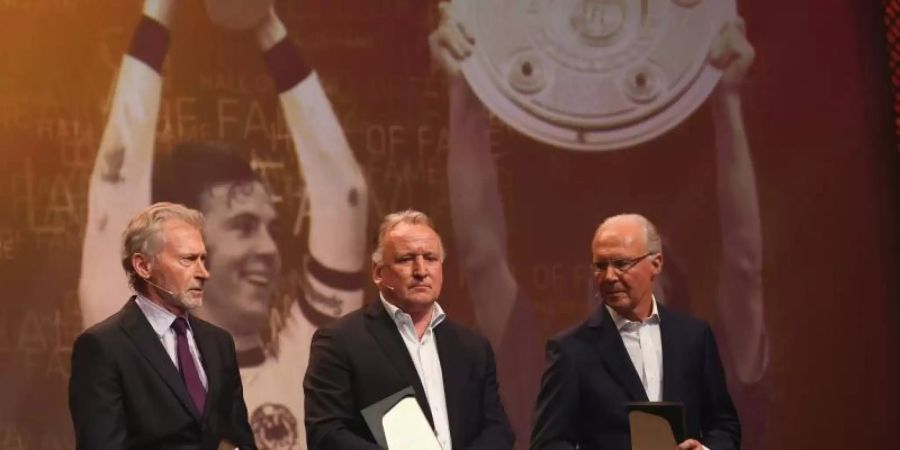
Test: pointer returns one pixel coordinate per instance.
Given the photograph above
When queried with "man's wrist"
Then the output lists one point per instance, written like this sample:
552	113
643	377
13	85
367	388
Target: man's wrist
150	43
285	65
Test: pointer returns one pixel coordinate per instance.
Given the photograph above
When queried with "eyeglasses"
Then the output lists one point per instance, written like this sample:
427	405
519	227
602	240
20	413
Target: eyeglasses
619	265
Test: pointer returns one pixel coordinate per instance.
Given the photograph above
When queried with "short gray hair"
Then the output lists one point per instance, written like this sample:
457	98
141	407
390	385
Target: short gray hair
392	220
143	234
651	235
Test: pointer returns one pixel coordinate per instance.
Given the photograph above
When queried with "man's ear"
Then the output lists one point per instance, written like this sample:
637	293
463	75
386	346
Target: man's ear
143	265
657	262
376	273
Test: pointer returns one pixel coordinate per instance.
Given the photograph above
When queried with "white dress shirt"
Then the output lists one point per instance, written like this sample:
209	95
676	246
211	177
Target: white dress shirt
424	355
161	320
644	345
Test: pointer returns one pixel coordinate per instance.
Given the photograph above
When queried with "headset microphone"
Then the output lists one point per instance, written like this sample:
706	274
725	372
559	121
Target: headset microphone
159	287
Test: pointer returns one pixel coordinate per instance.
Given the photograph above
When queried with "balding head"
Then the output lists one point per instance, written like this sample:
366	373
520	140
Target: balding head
627	258
628	222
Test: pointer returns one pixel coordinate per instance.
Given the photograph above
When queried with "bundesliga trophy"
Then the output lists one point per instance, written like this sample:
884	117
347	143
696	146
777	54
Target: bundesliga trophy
593	75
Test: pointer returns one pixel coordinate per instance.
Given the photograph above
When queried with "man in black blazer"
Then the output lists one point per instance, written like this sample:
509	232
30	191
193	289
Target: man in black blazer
151	375
366	356
631	350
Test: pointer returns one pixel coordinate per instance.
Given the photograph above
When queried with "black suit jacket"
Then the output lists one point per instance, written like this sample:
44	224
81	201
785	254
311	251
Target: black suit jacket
125	392
589	379
361	359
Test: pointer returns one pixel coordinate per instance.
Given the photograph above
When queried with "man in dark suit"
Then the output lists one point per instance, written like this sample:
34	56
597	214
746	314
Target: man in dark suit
151	375
403	339
631	350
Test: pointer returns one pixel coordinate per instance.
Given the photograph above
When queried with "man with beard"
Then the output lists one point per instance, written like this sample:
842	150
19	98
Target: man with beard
152	375
241	219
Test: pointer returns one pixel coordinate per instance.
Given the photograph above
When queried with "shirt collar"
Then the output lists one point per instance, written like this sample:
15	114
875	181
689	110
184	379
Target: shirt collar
397	314
621	321
160	318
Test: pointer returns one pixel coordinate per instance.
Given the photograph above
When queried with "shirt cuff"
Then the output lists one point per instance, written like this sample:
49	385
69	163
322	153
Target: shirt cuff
150	43
285	65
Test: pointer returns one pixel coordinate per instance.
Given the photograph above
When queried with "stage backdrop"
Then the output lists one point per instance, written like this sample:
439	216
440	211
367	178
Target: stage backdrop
785	237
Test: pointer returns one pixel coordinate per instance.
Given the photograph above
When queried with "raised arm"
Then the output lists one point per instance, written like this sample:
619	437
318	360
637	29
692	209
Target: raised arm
338	196
120	181
740	298
475	204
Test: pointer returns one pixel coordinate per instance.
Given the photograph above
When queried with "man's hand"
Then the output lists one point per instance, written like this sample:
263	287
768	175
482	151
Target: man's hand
161	11
733	54
690	444
450	42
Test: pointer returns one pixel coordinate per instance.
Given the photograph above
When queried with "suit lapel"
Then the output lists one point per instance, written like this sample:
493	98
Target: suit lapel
383	328
671	356
138	329
210	359
614	356
454	374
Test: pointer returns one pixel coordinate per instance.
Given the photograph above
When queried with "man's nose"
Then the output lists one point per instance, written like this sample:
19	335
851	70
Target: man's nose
608	274
265	243
419	267
202	272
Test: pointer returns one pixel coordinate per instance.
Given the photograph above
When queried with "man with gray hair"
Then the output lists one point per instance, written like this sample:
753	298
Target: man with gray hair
403	339
632	349
152	375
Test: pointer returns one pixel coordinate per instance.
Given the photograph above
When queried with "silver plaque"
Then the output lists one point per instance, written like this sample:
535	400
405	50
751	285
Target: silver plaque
592	74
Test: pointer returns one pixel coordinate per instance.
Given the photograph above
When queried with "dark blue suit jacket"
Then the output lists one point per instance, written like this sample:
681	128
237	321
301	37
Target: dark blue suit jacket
589	379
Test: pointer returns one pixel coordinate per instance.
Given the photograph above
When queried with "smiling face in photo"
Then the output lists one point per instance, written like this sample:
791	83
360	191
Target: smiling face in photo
244	260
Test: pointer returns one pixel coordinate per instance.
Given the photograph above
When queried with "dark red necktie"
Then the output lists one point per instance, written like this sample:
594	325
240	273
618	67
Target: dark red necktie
186	362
